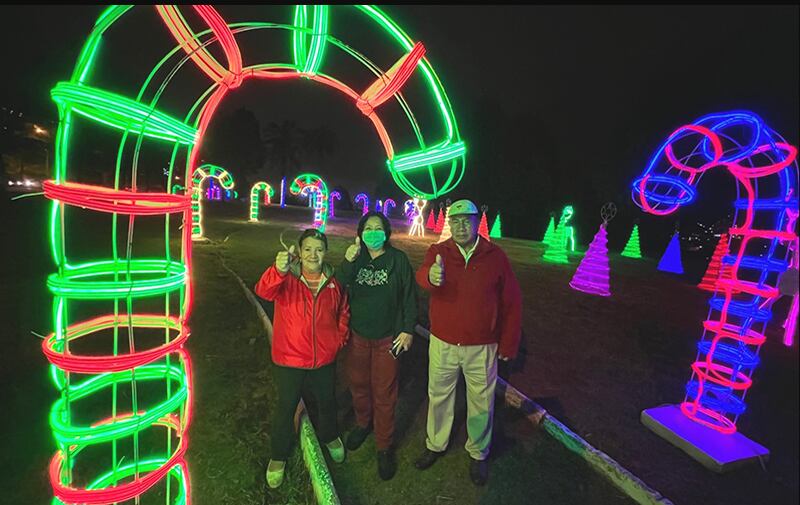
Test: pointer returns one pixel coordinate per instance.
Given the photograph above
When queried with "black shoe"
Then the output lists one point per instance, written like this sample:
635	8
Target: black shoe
356	437
427	458
478	471
386	465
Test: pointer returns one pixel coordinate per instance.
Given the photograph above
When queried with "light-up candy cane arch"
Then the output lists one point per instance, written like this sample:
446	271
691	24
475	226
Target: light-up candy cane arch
386	204
364	202
765	169
313	186
259	187
199	175
138	114
335	195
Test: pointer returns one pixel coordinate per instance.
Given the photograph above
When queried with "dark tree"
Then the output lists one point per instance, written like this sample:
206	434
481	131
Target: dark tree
318	143
284	147
235	144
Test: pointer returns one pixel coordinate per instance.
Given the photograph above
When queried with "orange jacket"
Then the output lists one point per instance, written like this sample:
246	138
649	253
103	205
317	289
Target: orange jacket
308	330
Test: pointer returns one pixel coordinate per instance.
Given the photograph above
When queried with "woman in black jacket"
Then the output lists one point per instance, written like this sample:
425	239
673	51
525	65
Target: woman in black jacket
383	313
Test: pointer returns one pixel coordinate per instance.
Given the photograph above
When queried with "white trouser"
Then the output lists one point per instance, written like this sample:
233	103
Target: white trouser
478	363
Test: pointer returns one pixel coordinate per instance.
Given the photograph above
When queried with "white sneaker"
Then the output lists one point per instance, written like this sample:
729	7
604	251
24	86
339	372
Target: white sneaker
275	471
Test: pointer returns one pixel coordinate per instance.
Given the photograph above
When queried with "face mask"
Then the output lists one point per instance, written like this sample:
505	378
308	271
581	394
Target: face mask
373	239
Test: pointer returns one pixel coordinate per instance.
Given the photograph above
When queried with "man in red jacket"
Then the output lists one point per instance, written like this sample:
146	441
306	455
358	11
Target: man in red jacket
475	312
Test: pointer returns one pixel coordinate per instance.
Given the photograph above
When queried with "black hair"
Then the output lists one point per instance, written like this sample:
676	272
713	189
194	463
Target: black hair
387	226
313	233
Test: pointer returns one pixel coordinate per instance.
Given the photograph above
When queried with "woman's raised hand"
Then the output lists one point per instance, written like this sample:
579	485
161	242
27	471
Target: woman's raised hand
352	252
282	260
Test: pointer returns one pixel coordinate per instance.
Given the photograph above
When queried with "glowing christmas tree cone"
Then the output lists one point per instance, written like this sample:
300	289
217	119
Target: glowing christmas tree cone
431	224
446	233
483	227
557	251
551	231
440	220
632	249
715	268
671	260
592	273
497	231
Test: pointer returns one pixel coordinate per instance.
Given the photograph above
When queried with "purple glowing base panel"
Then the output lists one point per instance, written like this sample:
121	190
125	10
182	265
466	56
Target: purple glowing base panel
715	451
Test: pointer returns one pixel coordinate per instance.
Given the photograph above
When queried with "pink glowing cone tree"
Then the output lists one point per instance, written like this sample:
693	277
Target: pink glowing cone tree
592	274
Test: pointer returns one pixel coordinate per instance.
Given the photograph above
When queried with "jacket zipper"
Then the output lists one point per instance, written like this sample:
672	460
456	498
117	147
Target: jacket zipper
314	322
314	331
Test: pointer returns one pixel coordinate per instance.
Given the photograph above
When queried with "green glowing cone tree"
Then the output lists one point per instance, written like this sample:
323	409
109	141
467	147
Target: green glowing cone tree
551	230
632	249
557	250
497	231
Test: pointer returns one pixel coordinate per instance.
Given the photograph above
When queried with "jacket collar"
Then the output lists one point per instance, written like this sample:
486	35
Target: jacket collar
327	271
482	247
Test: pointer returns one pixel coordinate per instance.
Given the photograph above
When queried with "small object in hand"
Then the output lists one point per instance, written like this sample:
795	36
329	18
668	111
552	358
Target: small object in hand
396	349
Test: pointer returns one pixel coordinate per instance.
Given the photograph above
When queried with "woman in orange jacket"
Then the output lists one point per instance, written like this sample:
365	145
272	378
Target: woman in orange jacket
311	325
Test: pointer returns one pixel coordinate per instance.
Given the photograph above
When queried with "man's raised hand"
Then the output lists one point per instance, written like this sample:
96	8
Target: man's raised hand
436	272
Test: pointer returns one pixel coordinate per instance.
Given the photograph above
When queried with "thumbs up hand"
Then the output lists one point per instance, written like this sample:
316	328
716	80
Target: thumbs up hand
436	272
352	252
282	260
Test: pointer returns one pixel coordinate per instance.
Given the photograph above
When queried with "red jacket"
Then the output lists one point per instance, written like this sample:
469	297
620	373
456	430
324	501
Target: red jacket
308	331
479	303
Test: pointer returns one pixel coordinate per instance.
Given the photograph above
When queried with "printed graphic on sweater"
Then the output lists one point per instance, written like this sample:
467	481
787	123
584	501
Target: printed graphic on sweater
371	277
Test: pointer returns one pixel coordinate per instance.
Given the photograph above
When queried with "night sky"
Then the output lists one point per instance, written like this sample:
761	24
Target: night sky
595	88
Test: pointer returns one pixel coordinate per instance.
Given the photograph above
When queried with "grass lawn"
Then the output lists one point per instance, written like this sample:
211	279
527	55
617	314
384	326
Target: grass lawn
593	362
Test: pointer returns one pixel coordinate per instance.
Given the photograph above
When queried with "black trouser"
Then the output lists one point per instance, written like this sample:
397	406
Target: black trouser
290	382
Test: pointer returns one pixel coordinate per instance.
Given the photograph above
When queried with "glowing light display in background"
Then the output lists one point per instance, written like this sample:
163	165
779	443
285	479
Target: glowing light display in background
199	175
408	211
364	199
215	192
550	232
313	186
283	192
431	224
416	227
592	274
483	226
790	285
632	248
440	220
556	251
378	205
765	168
671	259
259	187
335	195
497	230
386	204
446	234
428	168
714	271
569	232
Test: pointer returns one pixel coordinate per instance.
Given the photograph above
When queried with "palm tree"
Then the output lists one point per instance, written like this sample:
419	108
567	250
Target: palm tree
283	143
319	142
